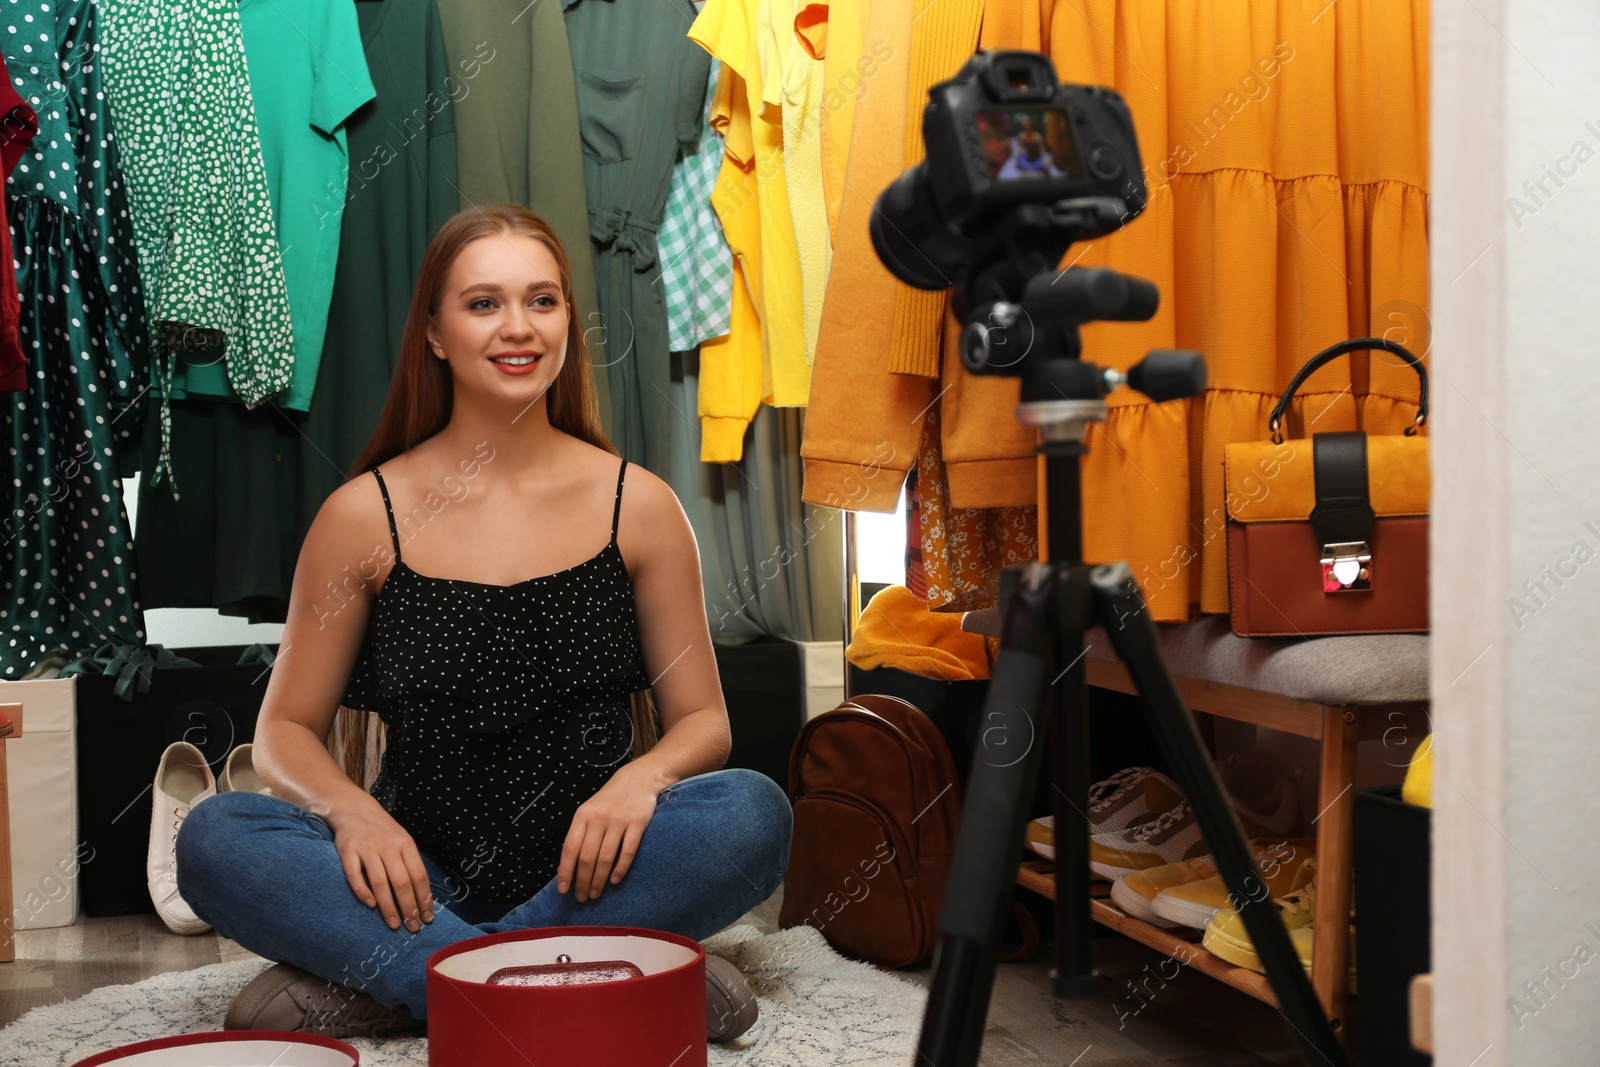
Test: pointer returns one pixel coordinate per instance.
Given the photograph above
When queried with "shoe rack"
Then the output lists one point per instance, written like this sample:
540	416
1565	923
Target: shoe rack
1336	729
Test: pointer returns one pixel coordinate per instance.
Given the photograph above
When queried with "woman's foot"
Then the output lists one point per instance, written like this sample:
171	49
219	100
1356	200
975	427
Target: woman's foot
730	1002
283	997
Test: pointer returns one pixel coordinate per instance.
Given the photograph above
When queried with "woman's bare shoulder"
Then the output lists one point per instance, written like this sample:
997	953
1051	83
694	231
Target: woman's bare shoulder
353	501
352	521
652	523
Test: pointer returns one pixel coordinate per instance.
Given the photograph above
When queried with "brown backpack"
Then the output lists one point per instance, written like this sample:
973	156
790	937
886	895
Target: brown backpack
876	805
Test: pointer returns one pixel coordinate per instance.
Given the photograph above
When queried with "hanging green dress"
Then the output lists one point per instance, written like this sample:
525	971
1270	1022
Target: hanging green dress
267	472
67	574
641	84
517	117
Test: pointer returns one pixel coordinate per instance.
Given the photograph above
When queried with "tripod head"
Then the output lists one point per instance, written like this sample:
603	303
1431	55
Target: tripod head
1020	318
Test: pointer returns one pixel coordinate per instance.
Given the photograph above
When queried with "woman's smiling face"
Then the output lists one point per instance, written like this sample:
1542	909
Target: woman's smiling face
502	320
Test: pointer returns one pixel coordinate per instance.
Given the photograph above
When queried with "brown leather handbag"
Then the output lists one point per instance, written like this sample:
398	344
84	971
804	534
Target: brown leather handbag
1329	535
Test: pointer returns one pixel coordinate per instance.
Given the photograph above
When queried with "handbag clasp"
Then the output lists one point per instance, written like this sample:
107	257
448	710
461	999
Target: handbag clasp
1347	567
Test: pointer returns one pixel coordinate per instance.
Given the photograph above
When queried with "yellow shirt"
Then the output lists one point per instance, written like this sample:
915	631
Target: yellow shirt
730	366
803	87
738	33
835	32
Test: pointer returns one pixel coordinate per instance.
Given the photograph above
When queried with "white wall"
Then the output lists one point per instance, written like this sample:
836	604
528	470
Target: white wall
1516	671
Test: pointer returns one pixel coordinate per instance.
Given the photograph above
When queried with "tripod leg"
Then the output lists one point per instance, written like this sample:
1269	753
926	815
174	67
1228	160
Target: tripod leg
984	866
1123	613
1068	693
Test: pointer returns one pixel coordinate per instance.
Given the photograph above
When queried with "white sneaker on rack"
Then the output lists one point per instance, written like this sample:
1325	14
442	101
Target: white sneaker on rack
183	779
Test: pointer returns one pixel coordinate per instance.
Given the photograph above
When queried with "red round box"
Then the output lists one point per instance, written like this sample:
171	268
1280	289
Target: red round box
657	1018
232	1047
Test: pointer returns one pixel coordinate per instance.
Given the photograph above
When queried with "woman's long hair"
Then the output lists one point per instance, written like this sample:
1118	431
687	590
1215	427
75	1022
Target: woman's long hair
419	403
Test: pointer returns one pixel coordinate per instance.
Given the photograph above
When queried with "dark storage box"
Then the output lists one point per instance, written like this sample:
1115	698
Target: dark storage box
954	706
1391	841
763	684
213	707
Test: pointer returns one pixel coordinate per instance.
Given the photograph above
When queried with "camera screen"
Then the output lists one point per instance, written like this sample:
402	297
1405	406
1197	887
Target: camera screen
1027	142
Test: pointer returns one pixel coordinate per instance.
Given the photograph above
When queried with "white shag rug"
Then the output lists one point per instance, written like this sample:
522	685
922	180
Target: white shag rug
818	1009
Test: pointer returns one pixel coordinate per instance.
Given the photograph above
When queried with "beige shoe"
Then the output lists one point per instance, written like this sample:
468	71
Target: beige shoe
183	779
730	1002
239	774
283	997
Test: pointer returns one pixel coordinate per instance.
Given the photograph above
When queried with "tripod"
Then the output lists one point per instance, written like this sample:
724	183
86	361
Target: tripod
1022	320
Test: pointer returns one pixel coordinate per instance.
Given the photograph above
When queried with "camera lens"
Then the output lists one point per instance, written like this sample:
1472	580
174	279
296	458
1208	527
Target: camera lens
911	236
975	347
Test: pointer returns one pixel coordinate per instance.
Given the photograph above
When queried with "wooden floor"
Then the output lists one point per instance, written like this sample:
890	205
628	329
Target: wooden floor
1187	1020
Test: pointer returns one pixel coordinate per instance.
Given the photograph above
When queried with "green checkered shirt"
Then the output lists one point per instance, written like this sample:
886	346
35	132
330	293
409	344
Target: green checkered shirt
696	263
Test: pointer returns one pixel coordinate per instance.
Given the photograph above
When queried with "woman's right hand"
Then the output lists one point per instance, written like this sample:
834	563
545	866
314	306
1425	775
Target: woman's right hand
383	866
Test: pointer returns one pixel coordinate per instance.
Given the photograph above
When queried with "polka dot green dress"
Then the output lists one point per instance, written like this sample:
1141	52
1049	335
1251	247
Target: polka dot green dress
66	566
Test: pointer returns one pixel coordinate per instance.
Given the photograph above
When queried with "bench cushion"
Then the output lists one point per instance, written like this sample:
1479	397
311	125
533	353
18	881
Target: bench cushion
1375	669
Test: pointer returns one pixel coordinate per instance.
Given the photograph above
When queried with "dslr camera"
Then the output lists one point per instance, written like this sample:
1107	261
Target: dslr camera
1000	134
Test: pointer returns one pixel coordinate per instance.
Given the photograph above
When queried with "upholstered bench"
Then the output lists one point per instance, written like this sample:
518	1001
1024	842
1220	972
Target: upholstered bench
1330	689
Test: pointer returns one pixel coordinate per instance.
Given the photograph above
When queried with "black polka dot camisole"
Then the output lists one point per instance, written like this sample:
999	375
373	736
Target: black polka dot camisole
505	707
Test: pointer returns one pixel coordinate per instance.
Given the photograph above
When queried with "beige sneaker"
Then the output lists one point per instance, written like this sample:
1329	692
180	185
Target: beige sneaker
1127	798
1168	838
283	997
183	779
239	773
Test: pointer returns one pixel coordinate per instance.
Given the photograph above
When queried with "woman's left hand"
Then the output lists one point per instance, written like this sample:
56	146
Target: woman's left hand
606	831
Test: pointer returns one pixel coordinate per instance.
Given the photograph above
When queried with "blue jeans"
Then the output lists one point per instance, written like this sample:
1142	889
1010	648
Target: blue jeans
266	874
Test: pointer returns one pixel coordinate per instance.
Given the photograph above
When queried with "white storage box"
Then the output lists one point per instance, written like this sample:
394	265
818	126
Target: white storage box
42	775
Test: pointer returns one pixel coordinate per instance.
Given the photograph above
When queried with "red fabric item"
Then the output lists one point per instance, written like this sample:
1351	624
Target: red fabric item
659	1018
18	125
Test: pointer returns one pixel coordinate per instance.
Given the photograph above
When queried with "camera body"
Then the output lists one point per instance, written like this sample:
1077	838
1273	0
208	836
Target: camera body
1004	136
1004	132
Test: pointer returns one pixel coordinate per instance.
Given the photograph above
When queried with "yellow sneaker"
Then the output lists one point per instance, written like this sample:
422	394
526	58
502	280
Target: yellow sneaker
1134	892
1285	866
1226	938
1041	836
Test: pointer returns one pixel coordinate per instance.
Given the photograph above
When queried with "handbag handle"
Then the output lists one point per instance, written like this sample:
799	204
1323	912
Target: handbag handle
1327	355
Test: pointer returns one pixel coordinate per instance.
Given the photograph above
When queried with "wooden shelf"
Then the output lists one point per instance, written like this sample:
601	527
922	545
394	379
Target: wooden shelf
1039	876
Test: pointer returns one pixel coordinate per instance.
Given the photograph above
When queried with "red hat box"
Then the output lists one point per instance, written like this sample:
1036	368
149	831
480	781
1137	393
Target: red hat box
232	1048
658	1017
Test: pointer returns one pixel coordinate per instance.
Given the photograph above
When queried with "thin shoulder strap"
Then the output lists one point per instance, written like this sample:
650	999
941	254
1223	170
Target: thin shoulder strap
394	533
616	511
